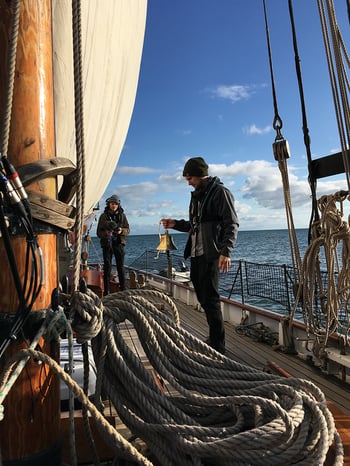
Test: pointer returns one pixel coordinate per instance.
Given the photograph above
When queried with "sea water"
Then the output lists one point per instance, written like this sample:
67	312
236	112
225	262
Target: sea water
261	246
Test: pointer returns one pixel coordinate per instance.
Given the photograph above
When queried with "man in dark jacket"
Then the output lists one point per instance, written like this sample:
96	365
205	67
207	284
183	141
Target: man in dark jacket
212	227
112	229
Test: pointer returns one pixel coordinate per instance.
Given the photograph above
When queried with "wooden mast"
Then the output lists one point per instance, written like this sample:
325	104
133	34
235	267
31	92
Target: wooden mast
29	431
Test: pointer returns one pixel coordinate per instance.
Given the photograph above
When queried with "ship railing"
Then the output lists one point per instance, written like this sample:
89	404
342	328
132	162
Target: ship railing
268	286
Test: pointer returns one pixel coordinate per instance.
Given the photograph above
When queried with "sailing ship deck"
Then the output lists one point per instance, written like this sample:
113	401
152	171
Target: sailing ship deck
252	353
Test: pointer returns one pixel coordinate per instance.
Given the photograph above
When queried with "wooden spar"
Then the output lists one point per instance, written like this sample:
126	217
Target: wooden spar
29	431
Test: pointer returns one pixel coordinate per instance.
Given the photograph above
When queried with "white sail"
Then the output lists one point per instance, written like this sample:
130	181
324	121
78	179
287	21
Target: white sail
112	38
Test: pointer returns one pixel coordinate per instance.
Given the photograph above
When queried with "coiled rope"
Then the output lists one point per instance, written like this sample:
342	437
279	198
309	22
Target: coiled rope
215	409
212	409
331	236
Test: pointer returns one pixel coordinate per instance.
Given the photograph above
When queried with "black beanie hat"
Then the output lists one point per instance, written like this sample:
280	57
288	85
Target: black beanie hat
196	166
113	198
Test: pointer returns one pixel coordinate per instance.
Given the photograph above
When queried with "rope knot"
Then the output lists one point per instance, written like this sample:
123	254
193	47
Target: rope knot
86	315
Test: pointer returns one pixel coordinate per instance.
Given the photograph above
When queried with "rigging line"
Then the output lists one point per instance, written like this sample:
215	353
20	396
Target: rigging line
341	79
333	79
79	130
277	122
300	83
6	119
35	282
22	305
24	308
281	152
27	288
10	254
311	179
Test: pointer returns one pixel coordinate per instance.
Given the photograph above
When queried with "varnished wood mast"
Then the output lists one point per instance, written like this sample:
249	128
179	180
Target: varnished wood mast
30	428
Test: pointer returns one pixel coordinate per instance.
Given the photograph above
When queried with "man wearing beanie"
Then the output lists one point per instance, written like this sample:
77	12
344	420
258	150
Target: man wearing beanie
212	227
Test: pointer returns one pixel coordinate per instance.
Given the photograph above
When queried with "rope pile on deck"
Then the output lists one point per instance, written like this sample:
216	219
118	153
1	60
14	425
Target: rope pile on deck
217	411
222	411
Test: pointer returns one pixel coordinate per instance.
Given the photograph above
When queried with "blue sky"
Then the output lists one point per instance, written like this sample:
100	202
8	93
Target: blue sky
205	90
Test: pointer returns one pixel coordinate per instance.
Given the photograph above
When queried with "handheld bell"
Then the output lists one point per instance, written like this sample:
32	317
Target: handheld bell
166	242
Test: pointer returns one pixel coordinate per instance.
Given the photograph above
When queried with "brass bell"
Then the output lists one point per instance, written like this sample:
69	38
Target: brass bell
166	242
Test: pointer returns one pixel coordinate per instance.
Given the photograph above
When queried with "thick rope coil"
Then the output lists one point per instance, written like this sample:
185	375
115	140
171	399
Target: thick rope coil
217	409
86	314
222	410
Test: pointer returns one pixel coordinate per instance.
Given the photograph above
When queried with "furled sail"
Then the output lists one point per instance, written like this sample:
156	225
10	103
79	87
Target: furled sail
112	41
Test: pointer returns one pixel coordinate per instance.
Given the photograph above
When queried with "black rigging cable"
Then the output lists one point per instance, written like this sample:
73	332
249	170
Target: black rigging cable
13	195
311	178
281	154
277	121
14	198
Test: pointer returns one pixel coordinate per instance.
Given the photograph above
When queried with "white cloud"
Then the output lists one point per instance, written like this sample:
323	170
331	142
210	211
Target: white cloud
234	93
256	185
242	208
168	179
135	170
249	167
137	192
253	129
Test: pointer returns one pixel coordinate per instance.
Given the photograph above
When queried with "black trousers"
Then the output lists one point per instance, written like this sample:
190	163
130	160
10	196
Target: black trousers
116	250
205	279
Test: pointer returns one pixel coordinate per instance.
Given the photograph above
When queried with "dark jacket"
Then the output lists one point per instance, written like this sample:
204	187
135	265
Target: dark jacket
109	222
212	210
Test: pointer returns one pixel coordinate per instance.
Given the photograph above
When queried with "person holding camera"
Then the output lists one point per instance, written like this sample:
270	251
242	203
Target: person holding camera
112	229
